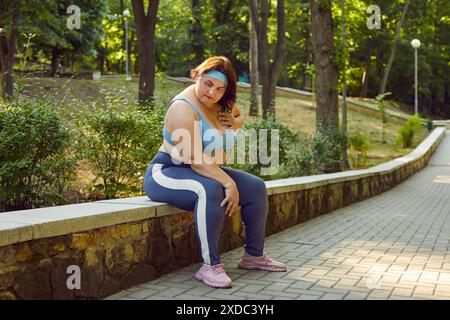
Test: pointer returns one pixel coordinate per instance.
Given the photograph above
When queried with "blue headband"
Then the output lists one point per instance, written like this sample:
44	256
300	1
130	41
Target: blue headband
217	75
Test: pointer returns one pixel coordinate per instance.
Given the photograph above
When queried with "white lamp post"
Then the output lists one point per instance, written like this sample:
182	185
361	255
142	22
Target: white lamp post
415	44
126	14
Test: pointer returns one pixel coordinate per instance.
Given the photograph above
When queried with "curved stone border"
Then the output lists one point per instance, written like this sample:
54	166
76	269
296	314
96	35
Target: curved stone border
24	225
120	243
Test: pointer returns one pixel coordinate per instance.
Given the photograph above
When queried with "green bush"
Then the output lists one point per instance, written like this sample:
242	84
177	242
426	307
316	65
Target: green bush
36	161
406	134
302	161
287	139
119	146
359	145
321	153
327	147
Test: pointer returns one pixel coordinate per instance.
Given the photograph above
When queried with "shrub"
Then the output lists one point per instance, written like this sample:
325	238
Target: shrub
406	134
287	139
327	147
119	146
302	161
36	161
383	114
359	145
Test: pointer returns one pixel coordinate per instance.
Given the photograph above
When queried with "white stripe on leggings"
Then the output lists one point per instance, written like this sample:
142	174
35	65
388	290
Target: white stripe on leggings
191	185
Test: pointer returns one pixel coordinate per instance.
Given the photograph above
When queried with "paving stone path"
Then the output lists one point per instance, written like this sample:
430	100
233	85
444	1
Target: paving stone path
392	246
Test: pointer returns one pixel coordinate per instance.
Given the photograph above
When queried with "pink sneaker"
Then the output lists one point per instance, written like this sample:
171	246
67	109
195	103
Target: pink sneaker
213	276
261	263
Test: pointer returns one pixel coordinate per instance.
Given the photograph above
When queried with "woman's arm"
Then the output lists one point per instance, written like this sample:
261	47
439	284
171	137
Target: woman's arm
211	170
188	144
235	118
238	122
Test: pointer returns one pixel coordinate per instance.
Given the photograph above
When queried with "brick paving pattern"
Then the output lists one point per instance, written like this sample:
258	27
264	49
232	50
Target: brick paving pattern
393	246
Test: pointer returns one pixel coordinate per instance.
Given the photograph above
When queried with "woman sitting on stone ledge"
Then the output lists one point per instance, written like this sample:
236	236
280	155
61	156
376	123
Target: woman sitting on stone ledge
188	170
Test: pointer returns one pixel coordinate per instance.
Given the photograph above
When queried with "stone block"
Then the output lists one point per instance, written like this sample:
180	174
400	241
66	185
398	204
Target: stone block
7	254
7	295
92	272
145	226
136	229
23	252
7	276
57	245
32	284
120	231
100	235
118	259
59	275
160	250
81	241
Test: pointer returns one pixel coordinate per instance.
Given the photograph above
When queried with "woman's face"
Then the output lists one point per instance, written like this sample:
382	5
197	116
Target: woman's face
209	90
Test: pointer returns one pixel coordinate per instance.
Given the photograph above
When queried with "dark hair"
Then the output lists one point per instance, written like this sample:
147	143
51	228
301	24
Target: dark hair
222	64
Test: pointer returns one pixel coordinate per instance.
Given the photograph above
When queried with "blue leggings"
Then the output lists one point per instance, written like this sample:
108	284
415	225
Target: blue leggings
179	185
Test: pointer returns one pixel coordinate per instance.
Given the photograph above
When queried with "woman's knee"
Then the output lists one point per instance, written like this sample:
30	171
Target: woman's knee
214	191
258	186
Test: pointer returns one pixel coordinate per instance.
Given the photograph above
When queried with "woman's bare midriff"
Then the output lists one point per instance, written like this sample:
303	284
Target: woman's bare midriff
167	148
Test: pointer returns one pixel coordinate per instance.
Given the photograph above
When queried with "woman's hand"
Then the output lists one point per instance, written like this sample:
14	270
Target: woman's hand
225	118
231	197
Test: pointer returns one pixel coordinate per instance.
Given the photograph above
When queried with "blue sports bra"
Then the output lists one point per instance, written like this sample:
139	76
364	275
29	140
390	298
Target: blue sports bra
212	139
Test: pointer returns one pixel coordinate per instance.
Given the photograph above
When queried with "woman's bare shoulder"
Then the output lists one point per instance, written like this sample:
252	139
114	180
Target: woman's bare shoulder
179	115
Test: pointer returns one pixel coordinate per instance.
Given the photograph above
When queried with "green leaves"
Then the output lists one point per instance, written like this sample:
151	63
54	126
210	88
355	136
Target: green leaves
36	159
326	147
384	116
359	145
287	139
119	146
406	134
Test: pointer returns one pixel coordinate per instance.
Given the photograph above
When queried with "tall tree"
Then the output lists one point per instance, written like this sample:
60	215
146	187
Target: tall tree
326	69
229	30
307	54
253	66
344	81
394	48
326	73
9	23
366	74
145	28
269	72
197	32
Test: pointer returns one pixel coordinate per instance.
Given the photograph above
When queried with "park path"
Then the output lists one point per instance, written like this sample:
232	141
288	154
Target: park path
393	246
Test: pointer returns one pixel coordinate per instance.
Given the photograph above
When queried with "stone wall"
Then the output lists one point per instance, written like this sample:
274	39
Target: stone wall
150	239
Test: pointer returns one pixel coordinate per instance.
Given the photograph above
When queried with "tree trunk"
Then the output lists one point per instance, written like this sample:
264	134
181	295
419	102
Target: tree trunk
136	64
7	49
122	19
447	96
326	74
307	57
101	60
197	32
345	163
394	48
253	68
54	62
365	80
130	47
326	70
269	73
145	28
